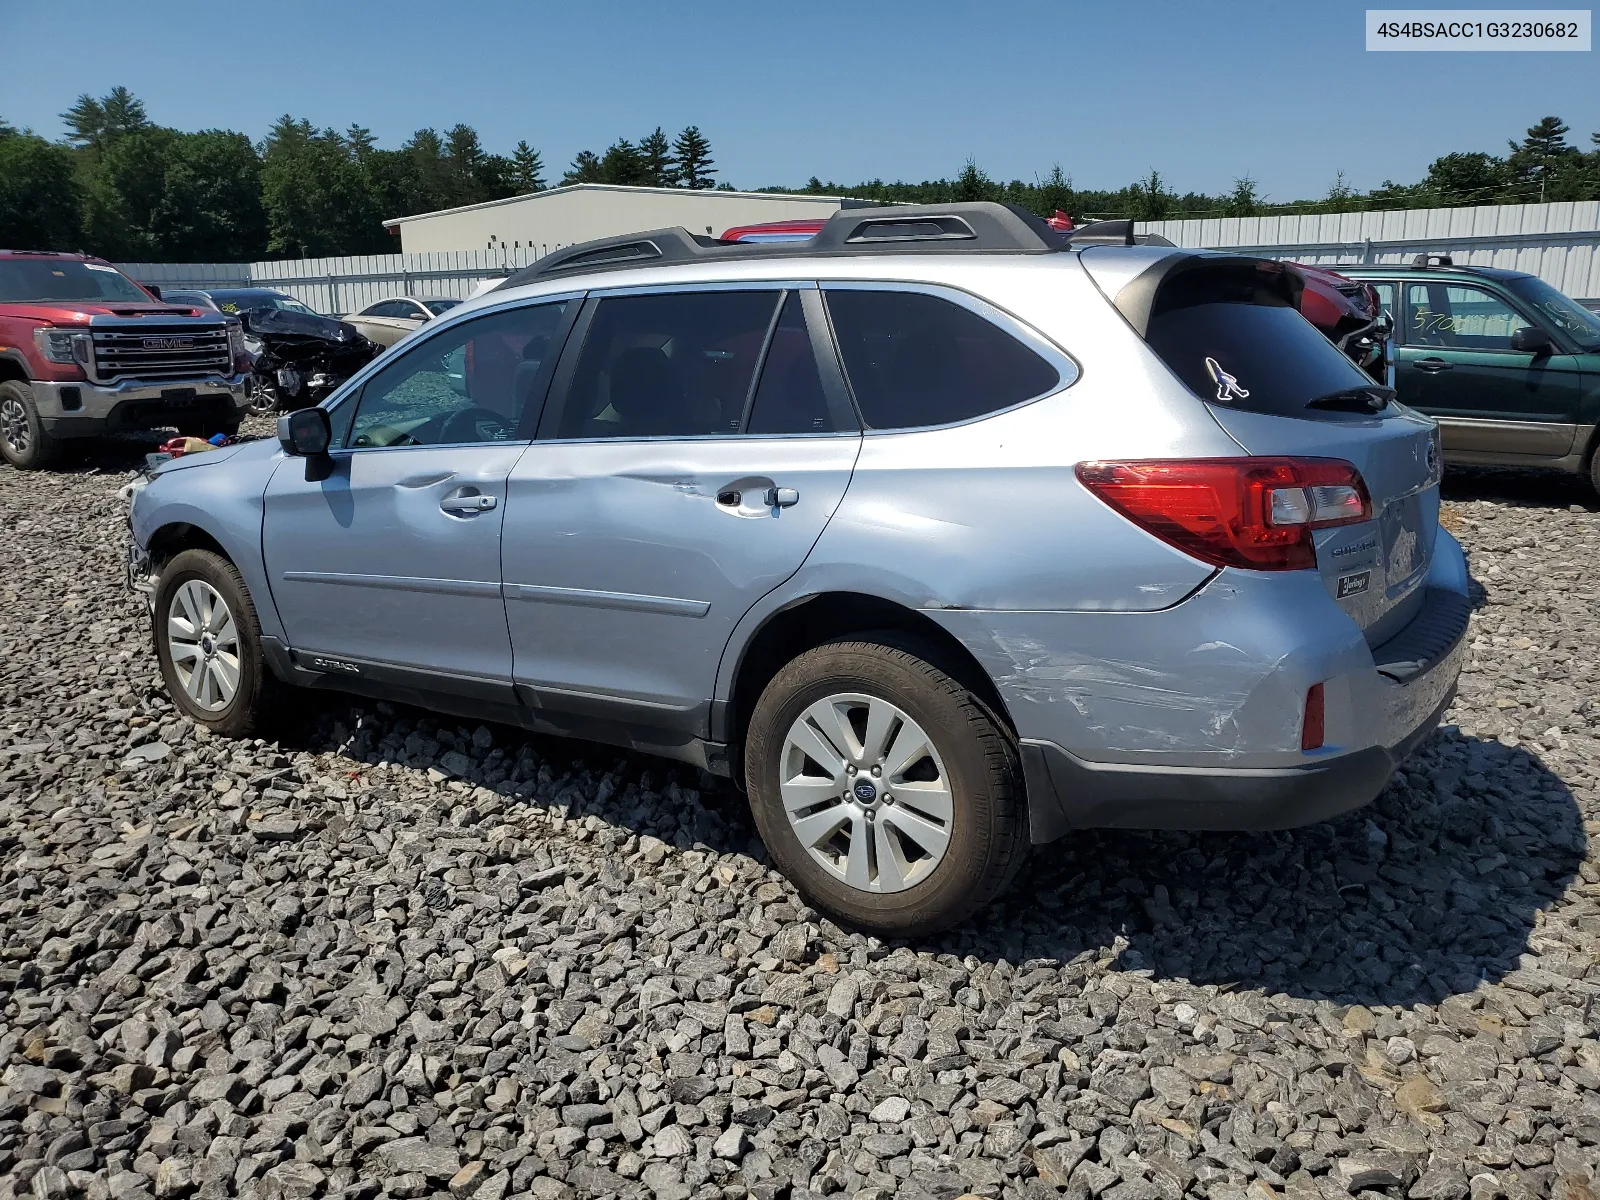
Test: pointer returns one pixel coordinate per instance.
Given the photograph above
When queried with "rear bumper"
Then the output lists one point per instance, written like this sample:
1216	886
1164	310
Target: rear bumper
1414	682
84	409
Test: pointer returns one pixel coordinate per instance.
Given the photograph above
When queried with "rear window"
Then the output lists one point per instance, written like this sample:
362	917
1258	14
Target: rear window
1234	340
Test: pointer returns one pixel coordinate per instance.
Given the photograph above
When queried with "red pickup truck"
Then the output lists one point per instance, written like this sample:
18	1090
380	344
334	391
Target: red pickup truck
86	351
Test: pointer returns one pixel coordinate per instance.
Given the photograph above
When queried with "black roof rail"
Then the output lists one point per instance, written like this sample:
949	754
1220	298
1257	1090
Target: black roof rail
1103	233
977	228
1423	261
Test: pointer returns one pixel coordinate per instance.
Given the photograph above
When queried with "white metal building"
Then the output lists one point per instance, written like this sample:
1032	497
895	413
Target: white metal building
548	220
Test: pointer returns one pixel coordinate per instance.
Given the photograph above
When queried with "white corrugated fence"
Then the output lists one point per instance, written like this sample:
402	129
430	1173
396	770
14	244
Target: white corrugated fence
346	285
1560	243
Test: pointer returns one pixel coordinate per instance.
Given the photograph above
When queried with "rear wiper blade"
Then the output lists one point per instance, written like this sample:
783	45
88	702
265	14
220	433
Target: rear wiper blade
1357	399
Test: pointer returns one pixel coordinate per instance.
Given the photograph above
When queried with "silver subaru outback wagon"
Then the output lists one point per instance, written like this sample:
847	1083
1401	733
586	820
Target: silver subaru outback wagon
940	533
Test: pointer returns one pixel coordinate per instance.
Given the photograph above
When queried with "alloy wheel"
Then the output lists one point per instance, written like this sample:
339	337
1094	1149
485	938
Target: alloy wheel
866	792
14	425
204	644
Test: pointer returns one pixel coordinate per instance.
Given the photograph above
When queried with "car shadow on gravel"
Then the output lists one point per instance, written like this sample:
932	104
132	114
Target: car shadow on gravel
1434	888
1539	489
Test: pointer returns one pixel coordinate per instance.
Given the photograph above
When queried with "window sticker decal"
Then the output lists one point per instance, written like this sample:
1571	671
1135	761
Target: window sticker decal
1228	387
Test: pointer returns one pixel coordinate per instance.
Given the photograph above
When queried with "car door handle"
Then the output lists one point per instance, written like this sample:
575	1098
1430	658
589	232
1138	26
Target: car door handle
462	503
780	497
1432	365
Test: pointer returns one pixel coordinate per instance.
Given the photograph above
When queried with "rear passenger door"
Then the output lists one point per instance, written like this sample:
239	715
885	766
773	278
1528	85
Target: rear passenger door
696	444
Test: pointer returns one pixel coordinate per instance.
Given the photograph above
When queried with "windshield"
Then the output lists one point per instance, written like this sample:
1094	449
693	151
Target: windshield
438	306
1560	310
28	279
235	302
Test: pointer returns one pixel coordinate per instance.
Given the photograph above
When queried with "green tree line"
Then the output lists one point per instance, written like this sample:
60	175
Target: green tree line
1542	167
121	186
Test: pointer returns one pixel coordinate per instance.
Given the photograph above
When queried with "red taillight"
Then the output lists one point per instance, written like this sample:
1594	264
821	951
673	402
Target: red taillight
1311	729
1256	513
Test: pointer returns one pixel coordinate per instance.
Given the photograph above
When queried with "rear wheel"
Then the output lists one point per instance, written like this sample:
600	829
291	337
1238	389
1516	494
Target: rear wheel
208	642
1594	467
883	788
24	441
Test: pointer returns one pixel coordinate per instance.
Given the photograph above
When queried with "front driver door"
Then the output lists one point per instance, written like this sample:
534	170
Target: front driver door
1492	403
389	567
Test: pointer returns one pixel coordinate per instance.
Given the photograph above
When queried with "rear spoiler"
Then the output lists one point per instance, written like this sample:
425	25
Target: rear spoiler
1270	281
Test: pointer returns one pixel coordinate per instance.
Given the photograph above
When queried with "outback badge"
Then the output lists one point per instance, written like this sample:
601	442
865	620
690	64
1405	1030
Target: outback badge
1227	386
1353	585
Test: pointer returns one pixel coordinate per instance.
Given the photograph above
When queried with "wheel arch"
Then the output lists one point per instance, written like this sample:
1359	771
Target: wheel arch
173	538
828	616
13	369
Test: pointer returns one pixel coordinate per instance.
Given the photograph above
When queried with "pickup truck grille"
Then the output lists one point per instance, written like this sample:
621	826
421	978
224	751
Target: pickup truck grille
161	352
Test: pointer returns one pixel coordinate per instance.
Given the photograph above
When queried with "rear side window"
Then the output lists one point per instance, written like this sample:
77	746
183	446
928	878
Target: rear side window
916	360
1237	342
674	365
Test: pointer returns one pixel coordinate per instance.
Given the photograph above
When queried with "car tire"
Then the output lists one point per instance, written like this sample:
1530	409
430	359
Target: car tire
211	660
902	862
1594	467
24	441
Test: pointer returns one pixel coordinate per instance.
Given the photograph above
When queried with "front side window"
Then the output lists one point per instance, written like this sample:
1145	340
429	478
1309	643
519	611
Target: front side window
438	306
1452	317
916	360
1560	310
670	365
473	383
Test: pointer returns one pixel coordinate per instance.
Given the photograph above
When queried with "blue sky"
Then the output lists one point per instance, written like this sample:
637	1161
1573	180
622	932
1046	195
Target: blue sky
1283	92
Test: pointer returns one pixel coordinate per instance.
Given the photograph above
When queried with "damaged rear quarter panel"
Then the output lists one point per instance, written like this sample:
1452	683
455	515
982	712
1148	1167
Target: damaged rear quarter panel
1221	678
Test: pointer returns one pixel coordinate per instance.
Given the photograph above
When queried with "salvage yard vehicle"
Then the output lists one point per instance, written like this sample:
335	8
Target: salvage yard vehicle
389	320
301	357
86	351
940	533
1508	365
237	300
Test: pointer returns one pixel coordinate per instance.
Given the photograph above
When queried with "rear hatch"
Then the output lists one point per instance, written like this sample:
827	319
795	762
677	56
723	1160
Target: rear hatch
1229	329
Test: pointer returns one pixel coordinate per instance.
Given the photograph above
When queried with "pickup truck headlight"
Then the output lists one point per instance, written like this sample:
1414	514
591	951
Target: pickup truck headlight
65	346
236	346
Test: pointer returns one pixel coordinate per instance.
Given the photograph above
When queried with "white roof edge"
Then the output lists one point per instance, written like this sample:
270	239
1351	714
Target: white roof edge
612	187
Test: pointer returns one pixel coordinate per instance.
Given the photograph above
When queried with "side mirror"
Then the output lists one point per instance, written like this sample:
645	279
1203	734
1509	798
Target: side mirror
1530	339
305	433
153	290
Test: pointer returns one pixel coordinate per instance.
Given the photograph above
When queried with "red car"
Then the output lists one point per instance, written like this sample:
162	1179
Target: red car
1346	312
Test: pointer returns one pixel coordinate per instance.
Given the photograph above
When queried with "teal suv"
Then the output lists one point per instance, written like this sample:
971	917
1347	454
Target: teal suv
1508	366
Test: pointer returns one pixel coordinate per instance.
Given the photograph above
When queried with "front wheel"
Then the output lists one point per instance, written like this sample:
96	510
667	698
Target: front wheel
884	789
262	397
24	441
208	642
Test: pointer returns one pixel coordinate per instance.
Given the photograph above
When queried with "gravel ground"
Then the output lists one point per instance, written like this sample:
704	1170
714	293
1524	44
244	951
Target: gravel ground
390	954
